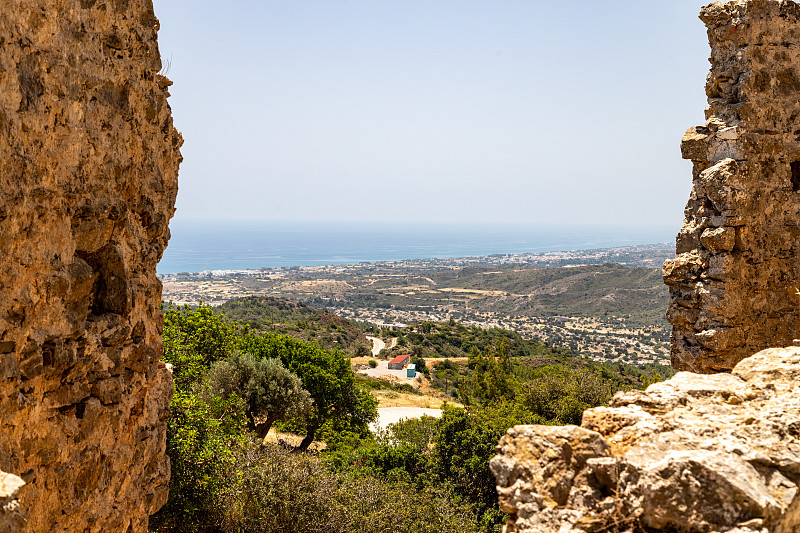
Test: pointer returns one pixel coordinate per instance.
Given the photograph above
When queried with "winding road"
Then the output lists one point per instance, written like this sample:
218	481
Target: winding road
377	345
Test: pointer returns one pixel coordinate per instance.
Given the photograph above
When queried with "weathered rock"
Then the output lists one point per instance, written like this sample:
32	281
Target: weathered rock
734	281
11	519
88	179
695	454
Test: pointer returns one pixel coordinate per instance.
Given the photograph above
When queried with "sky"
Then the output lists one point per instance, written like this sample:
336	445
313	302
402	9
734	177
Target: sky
519	112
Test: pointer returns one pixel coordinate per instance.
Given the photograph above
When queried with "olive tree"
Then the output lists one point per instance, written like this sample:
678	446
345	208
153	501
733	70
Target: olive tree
268	390
326	375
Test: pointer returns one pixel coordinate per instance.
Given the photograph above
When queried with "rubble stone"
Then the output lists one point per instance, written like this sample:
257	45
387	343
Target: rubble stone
695	454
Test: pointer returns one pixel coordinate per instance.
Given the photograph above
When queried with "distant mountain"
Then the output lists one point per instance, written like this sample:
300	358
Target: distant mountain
595	290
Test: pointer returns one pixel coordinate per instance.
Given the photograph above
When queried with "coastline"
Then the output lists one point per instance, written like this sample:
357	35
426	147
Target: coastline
242	246
625	255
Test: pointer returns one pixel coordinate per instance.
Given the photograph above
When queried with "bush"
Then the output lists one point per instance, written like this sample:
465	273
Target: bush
463	446
203	435
420	364
373	363
363	351
277	491
447	364
561	393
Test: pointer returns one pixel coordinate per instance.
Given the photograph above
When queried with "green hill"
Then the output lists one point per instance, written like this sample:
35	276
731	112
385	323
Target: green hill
296	319
595	290
453	339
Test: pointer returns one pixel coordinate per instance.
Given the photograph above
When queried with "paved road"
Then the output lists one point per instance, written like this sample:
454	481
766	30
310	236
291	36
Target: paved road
391	415
377	345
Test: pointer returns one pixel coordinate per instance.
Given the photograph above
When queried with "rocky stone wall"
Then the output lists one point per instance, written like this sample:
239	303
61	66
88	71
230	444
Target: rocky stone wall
695	454
734	283
88	178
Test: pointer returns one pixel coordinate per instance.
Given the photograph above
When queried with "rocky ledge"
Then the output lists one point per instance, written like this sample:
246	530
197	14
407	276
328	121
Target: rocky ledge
695	454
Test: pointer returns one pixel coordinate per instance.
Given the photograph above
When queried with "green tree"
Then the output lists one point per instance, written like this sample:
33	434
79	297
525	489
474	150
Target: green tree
420	364
363	351
327	377
193	339
269	391
204	431
465	443
204	434
491	379
561	393
499	381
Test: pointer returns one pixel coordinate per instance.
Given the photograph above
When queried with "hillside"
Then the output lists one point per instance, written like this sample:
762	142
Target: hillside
297	320
608	310
638	294
596	290
226	477
453	339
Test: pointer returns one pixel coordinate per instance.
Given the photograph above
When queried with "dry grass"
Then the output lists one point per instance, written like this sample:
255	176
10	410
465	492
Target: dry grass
398	399
292	439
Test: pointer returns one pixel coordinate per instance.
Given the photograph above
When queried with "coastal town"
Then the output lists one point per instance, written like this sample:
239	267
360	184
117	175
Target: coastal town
606	303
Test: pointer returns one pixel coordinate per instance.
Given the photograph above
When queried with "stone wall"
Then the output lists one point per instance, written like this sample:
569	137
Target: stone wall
88	178
734	283
695	454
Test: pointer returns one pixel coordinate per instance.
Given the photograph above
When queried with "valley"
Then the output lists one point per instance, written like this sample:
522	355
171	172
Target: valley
606	304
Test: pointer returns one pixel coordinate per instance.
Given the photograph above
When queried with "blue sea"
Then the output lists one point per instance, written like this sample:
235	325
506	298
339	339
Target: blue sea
213	245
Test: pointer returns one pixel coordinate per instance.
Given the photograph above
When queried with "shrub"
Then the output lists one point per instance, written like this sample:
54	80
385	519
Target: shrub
464	444
373	363
420	364
277	491
363	351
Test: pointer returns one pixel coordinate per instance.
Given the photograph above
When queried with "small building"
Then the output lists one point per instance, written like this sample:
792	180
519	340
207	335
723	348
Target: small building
411	371
399	362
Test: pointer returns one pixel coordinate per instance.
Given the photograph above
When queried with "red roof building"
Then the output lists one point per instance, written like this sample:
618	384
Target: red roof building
399	362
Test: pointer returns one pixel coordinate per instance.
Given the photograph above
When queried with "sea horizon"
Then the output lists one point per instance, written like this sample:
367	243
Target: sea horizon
201	245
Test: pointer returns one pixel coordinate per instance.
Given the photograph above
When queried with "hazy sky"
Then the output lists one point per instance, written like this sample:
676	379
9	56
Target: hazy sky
435	110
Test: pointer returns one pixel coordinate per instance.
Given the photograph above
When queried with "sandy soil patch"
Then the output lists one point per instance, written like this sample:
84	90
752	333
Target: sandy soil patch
388	398
292	440
476	291
433	361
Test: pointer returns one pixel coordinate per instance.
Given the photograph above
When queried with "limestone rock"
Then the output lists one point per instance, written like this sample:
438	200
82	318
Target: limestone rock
740	241
88	178
718	239
11	519
695	454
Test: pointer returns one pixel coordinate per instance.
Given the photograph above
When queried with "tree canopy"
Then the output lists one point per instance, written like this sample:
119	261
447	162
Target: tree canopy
269	391
326	376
